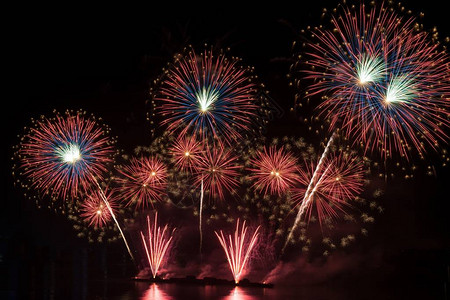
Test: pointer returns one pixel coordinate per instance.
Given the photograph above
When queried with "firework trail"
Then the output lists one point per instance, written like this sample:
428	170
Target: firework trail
143	181
238	250
200	213
157	244
60	155
309	190
385	84
94	211
340	180
208	96
274	171
105	200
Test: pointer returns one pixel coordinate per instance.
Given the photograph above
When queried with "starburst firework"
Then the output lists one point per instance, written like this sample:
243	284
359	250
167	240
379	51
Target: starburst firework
274	170
61	155
94	210
218	169
208	96
386	85
186	152
338	181
143	181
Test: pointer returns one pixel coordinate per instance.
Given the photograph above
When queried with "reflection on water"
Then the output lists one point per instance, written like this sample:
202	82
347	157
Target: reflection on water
154	293
173	292
239	294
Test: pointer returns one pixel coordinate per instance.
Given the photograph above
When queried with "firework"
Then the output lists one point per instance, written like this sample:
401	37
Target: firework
94	211
156	244
383	83
200	216
61	155
274	171
207	95
186	153
218	170
143	181
338	181
238	250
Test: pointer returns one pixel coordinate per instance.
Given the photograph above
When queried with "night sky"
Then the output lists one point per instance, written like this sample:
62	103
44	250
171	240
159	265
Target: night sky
104	59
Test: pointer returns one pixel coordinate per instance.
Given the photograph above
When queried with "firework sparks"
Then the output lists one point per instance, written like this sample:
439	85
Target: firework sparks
238	250
339	180
94	210
328	186
156	244
143	181
218	170
62	154
208	96
200	216
308	190
384	84
186	153
274	171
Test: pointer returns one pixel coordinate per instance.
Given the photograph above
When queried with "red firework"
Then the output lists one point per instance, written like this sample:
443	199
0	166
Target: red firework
339	180
94	210
274	171
143	181
385	84
238	249
63	154
218	168
156	244
186	152
208	96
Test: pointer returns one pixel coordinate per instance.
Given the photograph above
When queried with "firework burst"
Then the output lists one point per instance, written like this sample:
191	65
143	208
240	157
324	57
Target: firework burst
274	170
61	155
207	95
218	170
383	83
238	250
143	181
186	153
94	210
156	244
337	182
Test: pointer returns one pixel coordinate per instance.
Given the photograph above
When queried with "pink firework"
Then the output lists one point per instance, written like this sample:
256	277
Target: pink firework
274	170
383	82
62	155
218	169
238	249
208	96
339	180
186	152
156	244
94	210
143	181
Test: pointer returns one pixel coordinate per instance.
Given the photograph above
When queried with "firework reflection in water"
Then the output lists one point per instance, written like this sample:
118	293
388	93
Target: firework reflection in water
156	244
154	293
238	250
239	294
